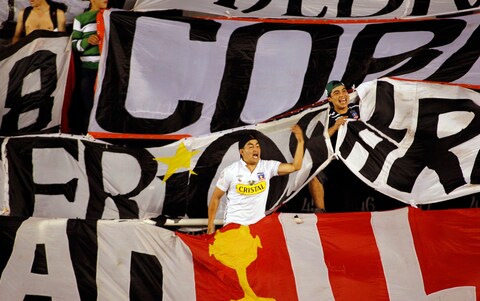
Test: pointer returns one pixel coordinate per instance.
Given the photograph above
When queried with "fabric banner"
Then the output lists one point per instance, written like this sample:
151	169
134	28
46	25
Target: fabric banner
399	255
168	75
32	83
417	142
74	177
312	9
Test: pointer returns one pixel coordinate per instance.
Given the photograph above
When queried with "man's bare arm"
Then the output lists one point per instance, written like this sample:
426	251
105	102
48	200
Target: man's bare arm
286	168
212	209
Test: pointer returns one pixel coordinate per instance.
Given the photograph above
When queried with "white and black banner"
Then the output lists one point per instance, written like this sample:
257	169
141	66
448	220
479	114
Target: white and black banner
74	177
32	83
164	75
416	142
311	8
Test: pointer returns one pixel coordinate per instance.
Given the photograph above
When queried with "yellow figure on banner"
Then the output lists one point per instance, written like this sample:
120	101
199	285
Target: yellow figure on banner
237	249
182	158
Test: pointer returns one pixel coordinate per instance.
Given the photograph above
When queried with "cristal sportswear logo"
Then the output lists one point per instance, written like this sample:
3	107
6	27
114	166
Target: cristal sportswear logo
251	189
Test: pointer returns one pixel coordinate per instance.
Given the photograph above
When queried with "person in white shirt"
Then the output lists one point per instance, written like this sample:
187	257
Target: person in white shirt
247	181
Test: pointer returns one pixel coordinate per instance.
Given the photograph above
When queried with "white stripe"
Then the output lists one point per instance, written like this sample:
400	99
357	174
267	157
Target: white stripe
463	293
76	25
79	46
399	259
307	258
89	27
94	59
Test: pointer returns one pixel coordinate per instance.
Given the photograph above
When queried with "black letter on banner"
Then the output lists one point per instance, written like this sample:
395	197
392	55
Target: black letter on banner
294	9
211	158
41	100
362	61
146	277
420	8
460	62
261	4
381	119
40	265
429	151
226	3
465	4
376	156
22	189
8	234
111	113
239	65
83	246
345	8
127	208
384	112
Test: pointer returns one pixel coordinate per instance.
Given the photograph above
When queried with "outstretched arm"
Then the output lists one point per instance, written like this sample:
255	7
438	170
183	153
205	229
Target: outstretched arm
339	122
61	21
212	209
286	168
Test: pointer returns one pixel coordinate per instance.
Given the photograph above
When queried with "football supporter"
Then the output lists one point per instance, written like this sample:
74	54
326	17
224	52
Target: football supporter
85	41
41	15
246	182
340	111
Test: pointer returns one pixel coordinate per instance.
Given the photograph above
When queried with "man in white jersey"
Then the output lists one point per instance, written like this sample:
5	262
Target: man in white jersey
247	182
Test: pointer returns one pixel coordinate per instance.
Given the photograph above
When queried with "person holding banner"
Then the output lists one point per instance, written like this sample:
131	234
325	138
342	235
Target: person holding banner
340	111
247	182
41	15
85	41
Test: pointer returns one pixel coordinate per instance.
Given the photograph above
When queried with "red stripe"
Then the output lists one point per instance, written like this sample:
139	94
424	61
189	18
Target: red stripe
447	243
352	257
272	275
213	281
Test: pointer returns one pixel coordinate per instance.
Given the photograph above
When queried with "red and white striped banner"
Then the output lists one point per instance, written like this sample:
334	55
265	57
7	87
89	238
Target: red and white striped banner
405	254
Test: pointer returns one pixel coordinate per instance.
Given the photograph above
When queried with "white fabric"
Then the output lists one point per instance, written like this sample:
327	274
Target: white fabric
309	8
35	85
246	209
199	71
303	241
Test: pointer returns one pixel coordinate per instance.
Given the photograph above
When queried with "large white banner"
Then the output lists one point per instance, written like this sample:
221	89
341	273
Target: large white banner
417	142
312	8
397	255
33	76
65	176
164	75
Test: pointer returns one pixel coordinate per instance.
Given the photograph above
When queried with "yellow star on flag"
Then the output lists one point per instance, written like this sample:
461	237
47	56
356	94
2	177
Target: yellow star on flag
181	159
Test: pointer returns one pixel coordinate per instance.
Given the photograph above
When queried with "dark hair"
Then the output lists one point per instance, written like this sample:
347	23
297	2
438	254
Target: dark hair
244	139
